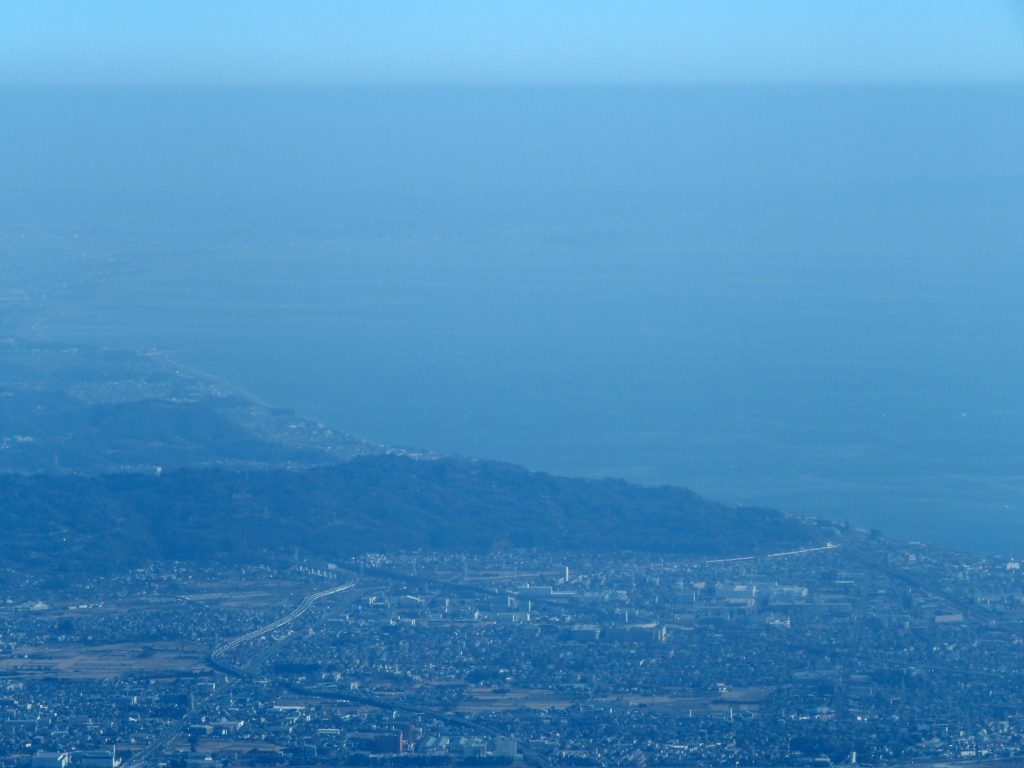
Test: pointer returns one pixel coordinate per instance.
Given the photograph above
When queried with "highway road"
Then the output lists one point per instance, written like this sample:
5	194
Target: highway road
175	728
789	553
304	606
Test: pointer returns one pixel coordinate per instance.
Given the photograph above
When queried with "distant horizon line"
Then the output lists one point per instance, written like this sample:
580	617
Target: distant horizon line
525	85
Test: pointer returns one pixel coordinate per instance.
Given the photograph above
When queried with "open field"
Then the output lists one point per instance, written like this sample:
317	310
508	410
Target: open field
105	661
479	700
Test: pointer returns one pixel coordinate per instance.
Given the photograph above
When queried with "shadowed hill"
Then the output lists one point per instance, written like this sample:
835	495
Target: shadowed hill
380	503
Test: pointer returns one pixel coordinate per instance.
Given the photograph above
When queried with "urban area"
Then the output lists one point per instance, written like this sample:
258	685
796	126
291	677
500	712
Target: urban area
859	651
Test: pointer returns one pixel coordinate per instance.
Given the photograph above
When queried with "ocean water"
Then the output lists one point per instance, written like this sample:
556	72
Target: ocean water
806	298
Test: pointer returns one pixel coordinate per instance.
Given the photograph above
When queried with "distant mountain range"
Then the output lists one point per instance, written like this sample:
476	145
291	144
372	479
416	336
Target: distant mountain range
111	460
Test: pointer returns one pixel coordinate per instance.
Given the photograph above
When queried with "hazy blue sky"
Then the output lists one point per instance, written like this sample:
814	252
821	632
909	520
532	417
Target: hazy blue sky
526	41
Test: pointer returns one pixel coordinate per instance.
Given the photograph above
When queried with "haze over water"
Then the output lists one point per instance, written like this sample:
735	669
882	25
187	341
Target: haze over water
803	297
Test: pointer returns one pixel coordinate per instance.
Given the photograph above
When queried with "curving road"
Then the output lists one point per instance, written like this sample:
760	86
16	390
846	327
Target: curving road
304	606
174	729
